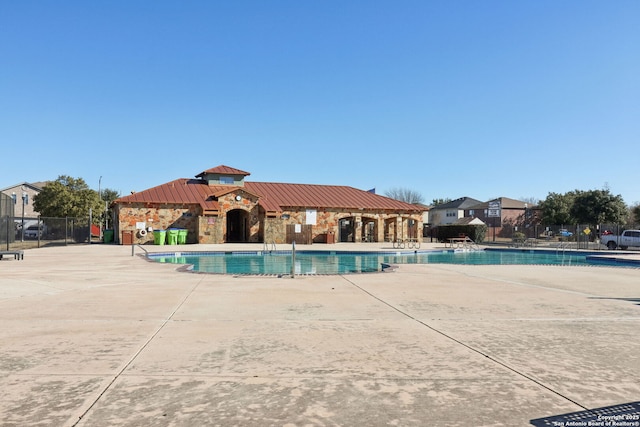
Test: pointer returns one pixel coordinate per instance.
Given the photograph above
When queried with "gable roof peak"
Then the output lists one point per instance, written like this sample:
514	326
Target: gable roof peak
223	169
37	186
459	203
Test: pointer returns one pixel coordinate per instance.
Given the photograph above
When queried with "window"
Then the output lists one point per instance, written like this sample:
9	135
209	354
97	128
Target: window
226	180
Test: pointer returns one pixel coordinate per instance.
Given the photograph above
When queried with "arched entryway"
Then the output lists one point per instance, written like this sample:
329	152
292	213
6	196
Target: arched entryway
237	225
369	230
347	229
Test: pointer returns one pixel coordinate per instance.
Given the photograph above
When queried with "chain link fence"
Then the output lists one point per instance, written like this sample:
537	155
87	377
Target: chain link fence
576	236
26	232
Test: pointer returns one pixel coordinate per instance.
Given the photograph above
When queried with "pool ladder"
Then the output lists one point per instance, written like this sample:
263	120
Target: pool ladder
562	247
269	247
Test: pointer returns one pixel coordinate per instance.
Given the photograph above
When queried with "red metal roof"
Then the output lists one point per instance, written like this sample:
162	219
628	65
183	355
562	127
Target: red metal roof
276	196
273	197
181	191
223	170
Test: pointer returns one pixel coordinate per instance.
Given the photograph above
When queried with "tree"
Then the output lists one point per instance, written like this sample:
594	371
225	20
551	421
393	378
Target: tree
531	201
68	197
405	195
634	213
108	195
583	207
436	202
556	208
598	207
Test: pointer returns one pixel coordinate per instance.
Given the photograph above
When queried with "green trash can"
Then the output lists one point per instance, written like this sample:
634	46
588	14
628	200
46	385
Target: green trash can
107	236
159	236
172	236
182	236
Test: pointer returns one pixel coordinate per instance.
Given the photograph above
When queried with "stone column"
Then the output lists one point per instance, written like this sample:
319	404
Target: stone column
357	229
380	228
400	233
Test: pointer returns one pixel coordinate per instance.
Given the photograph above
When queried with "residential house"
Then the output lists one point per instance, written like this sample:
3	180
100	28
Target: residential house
450	212
22	195
505	216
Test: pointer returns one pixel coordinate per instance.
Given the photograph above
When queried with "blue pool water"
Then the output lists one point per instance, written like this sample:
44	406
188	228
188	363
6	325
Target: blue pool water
319	262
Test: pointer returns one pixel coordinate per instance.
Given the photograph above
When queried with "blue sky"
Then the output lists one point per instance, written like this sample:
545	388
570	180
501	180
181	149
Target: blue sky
448	98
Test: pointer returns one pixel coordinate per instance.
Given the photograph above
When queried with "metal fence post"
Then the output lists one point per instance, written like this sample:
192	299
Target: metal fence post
7	232
293	260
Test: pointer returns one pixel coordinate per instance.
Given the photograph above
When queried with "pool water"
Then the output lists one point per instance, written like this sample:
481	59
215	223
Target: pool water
330	262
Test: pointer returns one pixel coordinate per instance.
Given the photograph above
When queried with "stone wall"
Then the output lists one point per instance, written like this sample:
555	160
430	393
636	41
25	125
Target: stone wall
366	225
385	225
210	230
157	217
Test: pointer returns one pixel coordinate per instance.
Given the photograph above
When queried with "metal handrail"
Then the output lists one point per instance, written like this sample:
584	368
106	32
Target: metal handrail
133	247
472	246
293	259
563	246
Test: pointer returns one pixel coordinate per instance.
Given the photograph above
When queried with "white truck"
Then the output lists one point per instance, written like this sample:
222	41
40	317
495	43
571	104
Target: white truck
623	241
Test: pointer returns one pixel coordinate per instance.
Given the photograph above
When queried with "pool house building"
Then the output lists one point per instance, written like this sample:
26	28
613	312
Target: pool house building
220	206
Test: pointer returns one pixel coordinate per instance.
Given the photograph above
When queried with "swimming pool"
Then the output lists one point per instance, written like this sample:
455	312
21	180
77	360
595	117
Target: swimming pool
333	262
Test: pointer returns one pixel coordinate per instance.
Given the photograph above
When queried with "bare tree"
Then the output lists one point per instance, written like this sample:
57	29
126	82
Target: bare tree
531	201
634	213
405	195
440	201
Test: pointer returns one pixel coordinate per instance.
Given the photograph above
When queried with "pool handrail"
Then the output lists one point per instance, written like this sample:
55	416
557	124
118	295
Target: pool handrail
133	247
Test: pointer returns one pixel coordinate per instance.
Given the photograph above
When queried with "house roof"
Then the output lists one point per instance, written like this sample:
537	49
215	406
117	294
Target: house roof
223	170
505	203
180	191
323	196
37	186
469	220
461	203
273	197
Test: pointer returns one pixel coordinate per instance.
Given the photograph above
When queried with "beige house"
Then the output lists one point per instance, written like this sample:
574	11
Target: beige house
23	195
450	212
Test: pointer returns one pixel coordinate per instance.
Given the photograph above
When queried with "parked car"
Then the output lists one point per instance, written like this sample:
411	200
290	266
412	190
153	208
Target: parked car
35	231
565	233
626	239
27	223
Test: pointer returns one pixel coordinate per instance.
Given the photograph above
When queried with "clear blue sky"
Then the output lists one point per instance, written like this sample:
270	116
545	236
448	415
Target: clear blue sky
448	98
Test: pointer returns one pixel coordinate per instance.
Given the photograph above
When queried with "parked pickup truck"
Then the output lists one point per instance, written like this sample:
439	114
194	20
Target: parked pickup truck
626	239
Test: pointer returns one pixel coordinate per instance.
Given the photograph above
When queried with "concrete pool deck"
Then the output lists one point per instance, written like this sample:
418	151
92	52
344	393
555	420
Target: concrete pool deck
92	336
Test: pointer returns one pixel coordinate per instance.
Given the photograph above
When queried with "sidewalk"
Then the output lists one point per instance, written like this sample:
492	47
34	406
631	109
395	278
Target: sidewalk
93	336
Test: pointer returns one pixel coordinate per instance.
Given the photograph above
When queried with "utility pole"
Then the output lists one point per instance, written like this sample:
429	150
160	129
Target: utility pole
99	195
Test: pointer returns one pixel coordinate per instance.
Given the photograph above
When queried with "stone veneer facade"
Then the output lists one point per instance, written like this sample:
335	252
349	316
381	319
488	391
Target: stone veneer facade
257	225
